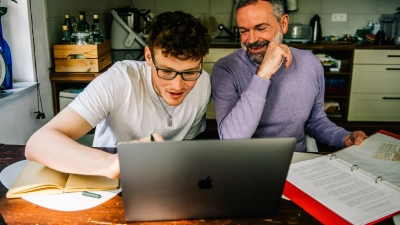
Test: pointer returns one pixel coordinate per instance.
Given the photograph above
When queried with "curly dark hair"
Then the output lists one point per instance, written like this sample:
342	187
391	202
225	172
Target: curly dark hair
179	34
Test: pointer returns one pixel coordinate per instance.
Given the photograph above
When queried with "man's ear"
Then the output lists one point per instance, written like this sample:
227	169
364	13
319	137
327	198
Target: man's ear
147	55
284	23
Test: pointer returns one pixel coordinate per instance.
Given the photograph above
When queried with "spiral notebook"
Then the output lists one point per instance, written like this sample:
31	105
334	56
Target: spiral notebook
357	185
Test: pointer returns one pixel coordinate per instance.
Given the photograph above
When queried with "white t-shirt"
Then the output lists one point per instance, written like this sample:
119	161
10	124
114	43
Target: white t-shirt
123	105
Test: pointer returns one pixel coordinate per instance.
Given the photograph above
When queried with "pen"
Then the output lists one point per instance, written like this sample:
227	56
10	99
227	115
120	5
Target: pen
151	137
90	194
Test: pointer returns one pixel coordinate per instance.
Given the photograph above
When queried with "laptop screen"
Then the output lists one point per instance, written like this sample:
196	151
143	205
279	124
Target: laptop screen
196	179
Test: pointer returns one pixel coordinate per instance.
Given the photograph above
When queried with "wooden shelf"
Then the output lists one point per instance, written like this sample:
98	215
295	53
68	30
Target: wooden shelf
64	80
336	97
339	73
345	54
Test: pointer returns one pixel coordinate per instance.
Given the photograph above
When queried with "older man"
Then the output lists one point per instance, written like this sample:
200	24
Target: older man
267	89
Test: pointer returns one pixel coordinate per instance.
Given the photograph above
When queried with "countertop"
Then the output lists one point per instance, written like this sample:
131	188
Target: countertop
19	88
224	42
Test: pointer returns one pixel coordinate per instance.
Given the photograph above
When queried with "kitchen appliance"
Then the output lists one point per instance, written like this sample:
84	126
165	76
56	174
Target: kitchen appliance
380	38
291	5
298	33
124	37
390	27
119	55
315	24
233	36
135	19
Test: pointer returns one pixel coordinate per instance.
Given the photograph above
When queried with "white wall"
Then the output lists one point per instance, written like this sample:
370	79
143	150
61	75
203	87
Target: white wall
359	12
17	32
18	121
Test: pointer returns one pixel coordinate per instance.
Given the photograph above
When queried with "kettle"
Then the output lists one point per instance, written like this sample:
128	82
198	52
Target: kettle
122	35
315	24
380	38
134	18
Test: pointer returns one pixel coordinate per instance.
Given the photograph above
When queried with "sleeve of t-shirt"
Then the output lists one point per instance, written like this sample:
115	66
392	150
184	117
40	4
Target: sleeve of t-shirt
97	100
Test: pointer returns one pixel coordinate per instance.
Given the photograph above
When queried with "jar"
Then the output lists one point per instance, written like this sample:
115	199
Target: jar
81	37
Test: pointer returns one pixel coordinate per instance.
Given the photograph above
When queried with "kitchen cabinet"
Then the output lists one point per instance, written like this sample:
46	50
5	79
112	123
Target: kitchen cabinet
375	87
210	60
337	83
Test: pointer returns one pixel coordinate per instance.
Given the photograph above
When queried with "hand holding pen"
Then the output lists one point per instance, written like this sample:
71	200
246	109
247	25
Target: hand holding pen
156	137
153	137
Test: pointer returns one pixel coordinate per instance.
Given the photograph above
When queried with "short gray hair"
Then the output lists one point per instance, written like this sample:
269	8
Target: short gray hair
277	6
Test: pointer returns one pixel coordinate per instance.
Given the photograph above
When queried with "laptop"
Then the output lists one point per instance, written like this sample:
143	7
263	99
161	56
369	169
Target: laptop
200	179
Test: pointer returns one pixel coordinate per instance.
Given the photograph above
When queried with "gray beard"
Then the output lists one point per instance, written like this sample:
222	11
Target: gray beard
257	58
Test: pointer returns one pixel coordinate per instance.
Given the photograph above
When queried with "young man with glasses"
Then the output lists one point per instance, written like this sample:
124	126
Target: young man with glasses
165	96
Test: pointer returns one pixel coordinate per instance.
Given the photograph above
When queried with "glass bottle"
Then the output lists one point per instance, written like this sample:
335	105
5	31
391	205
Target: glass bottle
68	23
74	25
97	33
66	35
87	27
91	34
81	23
82	35
5	51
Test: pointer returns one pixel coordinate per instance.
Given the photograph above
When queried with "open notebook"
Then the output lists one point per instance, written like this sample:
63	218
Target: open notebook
37	179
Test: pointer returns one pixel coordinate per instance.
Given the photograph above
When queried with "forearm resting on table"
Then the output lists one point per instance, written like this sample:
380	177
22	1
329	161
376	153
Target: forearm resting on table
57	151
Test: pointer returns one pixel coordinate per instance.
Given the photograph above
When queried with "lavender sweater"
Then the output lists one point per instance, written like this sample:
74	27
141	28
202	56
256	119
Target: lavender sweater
290	104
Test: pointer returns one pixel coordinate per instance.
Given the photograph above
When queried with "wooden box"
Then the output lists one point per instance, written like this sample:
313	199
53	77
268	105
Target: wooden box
82	58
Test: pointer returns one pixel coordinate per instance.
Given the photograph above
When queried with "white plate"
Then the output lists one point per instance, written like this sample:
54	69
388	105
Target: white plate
211	22
2	69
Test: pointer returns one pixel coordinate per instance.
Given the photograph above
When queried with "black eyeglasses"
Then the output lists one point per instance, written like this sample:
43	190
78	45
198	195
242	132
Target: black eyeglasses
170	74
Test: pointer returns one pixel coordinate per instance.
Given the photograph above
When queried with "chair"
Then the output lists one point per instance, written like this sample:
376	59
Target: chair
311	144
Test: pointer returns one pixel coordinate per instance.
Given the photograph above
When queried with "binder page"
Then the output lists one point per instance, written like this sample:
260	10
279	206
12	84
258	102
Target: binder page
353	195
365	157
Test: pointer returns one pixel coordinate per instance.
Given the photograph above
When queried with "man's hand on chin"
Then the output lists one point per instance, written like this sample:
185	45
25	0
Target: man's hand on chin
273	59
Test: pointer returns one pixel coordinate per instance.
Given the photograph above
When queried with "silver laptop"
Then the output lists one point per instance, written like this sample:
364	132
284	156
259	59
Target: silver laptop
201	179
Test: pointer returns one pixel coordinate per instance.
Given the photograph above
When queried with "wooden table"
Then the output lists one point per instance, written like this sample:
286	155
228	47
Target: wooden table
19	211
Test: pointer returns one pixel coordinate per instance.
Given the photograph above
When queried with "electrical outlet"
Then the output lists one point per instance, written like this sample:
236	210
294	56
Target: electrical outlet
339	17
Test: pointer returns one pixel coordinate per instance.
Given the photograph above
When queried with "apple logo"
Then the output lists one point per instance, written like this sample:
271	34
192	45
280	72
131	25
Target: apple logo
205	184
